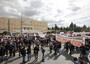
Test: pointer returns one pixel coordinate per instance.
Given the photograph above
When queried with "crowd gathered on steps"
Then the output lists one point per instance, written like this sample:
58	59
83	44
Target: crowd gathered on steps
23	46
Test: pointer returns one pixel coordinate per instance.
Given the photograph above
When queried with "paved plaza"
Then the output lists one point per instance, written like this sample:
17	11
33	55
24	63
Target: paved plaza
62	58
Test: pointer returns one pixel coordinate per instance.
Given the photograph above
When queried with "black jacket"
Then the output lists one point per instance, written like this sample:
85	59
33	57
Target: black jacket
28	51
23	52
2	51
36	49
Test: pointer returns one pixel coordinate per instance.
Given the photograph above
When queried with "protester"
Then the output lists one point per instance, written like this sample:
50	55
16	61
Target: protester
82	51
22	45
66	46
71	48
6	48
23	53
2	52
29	52
59	47
43	51
36	50
10	46
14	48
76	61
50	47
19	49
55	47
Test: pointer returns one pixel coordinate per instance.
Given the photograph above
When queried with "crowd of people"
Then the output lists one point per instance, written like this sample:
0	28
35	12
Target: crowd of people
24	46
83	50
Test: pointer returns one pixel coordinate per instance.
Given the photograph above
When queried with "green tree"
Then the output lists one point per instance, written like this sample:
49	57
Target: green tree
5	33
48	28
74	27
56	27
84	28
78	29
71	26
52	28
61	28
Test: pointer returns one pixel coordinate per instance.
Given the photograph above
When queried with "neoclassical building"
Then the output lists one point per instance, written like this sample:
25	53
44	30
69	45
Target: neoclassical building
24	25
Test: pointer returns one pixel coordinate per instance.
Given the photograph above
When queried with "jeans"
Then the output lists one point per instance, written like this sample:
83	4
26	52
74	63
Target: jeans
55	51
23	59
29	56
43	56
6	52
1	58
19	53
33	44
59	50
36	55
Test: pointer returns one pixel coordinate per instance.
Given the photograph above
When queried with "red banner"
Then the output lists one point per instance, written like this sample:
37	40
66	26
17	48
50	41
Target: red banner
76	43
73	42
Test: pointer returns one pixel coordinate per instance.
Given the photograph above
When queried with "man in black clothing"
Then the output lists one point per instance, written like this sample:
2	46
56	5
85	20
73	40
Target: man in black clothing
6	49
10	46
19	49
36	49
66	46
23	53
82	51
59	47
13	50
55	47
29	52
2	52
71	47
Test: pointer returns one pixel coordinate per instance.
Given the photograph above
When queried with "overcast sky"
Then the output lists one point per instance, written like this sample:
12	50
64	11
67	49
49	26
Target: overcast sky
60	12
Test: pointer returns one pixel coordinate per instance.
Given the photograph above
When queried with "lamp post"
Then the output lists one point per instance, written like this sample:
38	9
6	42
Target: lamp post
21	24
8	26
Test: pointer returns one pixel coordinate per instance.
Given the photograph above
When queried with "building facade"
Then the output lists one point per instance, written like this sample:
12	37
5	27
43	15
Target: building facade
33	26
12	25
25	25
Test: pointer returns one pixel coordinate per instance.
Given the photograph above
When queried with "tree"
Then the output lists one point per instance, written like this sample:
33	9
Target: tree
84	28
71	26
5	32
61	28
48	28
67	28
74	27
78	29
56	27
52	28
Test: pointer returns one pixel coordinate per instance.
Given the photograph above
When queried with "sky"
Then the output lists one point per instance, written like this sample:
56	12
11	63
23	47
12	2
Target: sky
60	12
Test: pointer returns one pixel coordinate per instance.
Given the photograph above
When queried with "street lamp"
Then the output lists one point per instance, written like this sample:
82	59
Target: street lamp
8	26
21	24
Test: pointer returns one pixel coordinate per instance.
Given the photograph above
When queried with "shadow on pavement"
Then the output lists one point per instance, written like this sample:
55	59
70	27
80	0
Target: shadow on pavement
39	62
56	57
50	56
8	61
33	62
47	55
67	56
